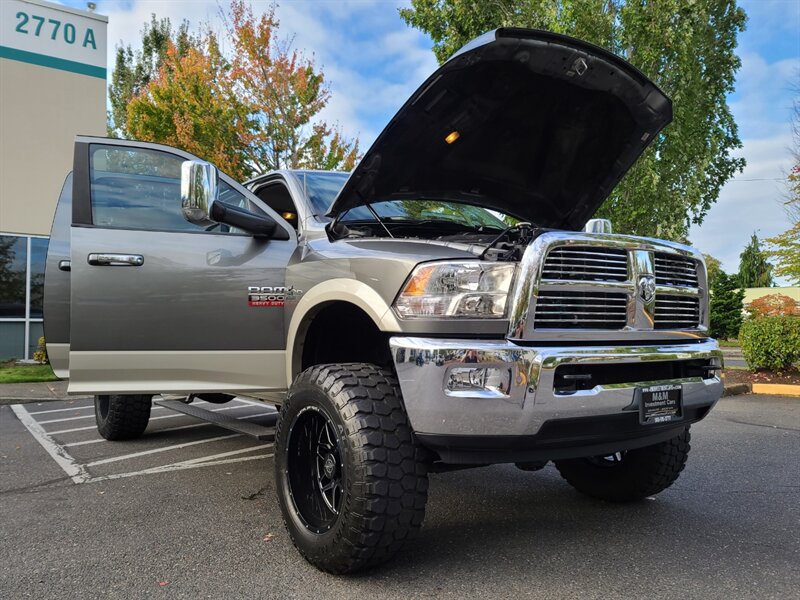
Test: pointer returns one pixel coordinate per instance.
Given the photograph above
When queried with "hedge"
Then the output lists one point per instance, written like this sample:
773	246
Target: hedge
771	343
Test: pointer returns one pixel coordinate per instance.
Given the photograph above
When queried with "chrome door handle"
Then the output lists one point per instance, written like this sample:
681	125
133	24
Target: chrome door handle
116	260
65	265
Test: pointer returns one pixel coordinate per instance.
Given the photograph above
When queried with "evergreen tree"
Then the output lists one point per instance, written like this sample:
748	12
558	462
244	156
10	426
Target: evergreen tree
713	269
727	299
754	270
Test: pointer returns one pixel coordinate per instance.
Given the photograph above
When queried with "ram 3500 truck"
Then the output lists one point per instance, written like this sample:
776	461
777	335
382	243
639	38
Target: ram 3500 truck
443	306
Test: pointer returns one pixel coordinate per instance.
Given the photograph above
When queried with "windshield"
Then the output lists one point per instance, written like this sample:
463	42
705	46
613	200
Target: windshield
322	189
419	211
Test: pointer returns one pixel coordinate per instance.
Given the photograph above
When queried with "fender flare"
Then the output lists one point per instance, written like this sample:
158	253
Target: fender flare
350	291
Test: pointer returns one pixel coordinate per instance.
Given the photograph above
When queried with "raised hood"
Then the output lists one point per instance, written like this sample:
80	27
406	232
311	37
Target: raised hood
544	125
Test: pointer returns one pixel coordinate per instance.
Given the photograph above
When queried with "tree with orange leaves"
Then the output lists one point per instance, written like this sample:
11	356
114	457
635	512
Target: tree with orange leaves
190	106
773	305
284	92
248	114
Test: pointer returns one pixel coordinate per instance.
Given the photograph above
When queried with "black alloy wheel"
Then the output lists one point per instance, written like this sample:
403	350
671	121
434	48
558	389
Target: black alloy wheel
315	469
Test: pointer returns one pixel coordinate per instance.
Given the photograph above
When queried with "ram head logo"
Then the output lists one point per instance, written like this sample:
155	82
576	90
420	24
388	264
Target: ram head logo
647	288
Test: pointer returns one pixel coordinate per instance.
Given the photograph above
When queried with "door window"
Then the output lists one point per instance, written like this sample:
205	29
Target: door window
137	188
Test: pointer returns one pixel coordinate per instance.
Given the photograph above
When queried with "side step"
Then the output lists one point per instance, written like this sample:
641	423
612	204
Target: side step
260	432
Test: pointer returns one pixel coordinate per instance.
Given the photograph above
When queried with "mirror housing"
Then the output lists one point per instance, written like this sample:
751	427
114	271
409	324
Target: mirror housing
597	226
257	225
200	203
199	191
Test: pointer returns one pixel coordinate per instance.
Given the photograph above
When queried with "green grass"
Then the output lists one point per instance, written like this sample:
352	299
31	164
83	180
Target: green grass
729	343
11	373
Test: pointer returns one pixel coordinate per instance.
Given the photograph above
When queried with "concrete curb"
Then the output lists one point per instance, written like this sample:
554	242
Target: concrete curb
776	389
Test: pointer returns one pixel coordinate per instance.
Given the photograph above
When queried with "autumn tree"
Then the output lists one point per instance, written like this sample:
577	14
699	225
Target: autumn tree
773	305
754	270
687	48
133	70
189	105
284	92
249	110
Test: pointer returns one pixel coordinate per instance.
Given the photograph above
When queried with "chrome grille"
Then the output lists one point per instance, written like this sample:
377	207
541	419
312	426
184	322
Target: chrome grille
580	310
586	263
677	312
673	269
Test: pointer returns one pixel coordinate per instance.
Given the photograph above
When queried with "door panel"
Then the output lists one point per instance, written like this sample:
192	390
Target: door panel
190	292
160	304
57	284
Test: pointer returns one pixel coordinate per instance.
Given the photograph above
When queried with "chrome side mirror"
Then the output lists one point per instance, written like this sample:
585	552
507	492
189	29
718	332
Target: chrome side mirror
595	225
198	191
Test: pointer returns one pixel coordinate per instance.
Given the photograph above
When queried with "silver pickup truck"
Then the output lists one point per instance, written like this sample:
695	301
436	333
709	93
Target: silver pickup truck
448	304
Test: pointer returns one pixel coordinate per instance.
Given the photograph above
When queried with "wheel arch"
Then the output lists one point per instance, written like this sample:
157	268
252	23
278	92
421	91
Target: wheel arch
349	294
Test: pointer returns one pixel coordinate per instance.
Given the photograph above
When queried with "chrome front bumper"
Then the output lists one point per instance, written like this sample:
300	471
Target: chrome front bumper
472	388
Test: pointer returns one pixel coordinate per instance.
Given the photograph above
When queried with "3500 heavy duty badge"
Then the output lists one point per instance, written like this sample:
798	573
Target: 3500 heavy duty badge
270	296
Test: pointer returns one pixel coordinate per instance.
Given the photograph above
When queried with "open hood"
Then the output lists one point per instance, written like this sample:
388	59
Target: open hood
533	124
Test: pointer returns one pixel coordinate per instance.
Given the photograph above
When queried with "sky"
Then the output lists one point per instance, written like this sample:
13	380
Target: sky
373	62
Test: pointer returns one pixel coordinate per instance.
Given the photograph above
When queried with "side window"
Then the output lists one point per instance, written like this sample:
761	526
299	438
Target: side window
277	197
137	188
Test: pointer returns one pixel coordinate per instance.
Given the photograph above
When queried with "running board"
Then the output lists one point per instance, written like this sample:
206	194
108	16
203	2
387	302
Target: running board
259	431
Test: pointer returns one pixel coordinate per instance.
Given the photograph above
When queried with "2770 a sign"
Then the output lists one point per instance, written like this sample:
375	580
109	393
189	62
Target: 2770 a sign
37	26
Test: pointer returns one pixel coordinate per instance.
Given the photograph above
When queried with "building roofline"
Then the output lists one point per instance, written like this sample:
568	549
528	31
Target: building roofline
68	9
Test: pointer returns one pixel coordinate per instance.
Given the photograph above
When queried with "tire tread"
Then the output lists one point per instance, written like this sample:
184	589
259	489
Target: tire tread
644	472
127	417
389	488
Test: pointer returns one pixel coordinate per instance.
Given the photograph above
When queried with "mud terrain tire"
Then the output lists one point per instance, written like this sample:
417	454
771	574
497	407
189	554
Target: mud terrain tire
350	477
628	476
122	417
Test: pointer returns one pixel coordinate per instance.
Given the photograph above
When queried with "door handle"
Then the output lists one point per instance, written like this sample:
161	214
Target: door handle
65	265
116	260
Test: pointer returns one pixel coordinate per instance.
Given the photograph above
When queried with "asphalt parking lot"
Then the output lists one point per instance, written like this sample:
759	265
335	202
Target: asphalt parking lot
188	511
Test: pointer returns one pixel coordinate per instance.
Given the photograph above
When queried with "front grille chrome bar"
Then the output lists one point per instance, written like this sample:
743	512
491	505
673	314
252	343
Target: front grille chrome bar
580	286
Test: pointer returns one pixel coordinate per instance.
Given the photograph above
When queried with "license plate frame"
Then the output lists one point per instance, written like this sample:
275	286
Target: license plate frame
659	404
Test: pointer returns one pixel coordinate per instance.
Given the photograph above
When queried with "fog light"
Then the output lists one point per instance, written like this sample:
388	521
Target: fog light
489	382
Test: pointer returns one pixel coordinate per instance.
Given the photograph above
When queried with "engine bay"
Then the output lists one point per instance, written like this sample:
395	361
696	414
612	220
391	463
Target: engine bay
506	246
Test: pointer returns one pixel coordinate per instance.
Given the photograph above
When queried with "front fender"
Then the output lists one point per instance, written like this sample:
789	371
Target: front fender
351	291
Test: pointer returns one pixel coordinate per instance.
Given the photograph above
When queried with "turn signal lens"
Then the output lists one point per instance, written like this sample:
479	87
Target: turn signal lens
452	137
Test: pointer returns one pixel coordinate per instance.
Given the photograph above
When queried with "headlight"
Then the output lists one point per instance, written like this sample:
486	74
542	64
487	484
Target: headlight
456	289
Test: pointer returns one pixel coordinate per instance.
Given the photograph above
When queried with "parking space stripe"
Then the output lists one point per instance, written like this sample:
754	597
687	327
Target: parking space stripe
175	416
164	449
177	467
71	467
168	429
224	454
55	410
92	415
98	440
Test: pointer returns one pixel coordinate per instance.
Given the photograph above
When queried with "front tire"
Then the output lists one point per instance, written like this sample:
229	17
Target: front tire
351	480
122	417
631	475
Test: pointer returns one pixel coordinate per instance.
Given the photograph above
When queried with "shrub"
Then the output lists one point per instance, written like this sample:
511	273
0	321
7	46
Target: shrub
771	343
40	355
773	305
